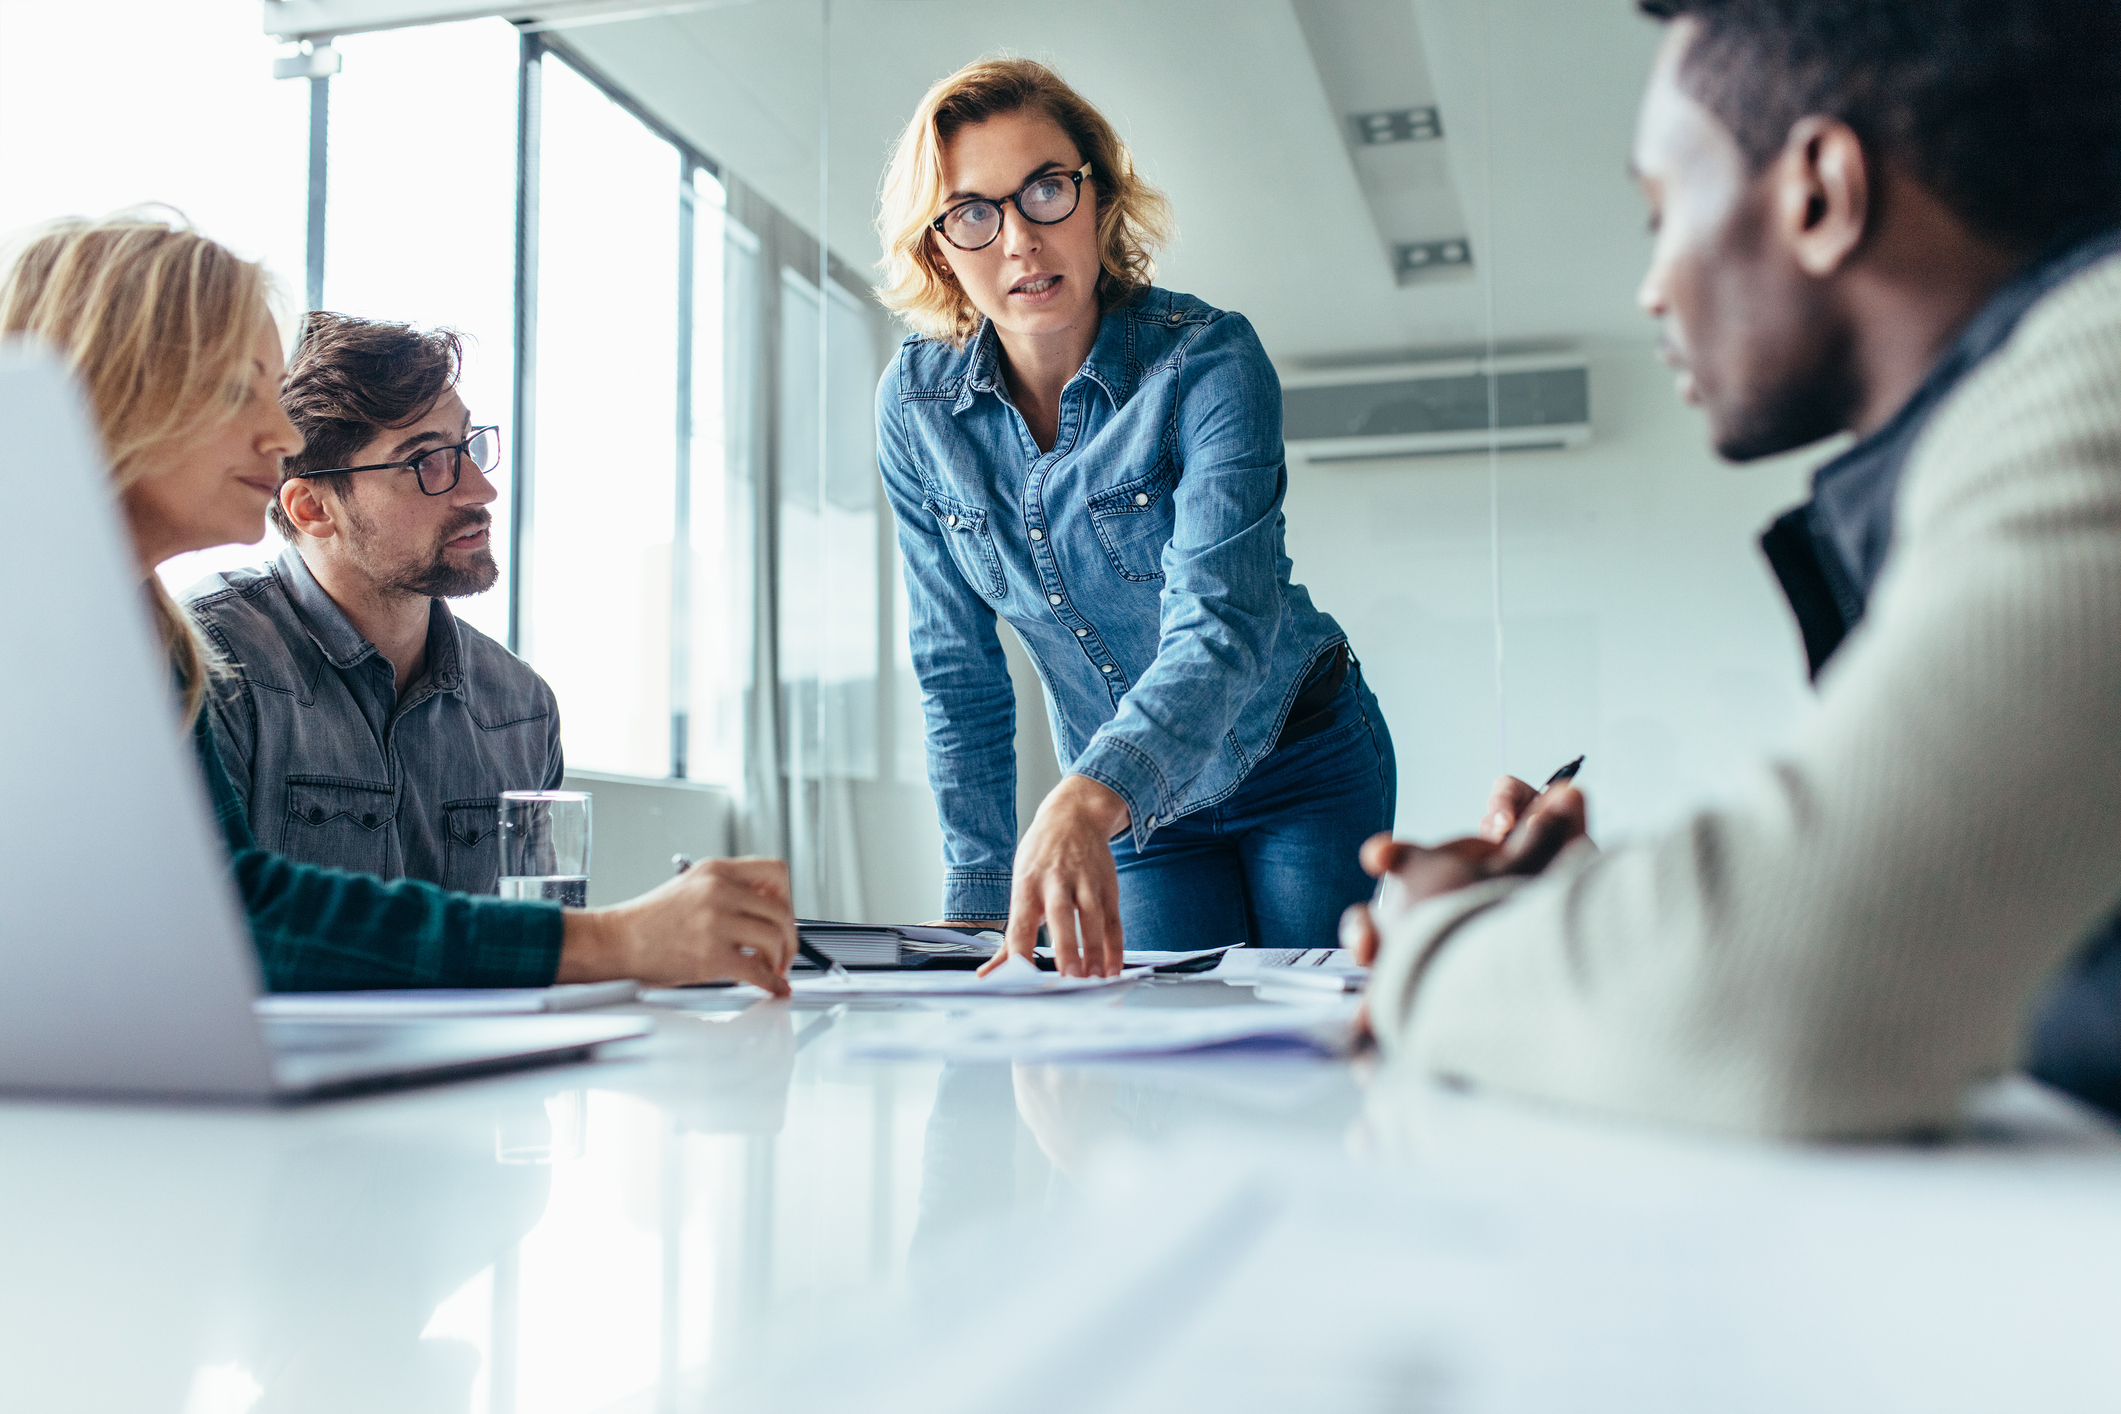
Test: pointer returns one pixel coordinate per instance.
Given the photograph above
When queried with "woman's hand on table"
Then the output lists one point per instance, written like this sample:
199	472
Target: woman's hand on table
1065	878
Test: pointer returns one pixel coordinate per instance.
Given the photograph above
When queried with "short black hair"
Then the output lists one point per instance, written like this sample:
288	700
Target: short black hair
353	379
2008	110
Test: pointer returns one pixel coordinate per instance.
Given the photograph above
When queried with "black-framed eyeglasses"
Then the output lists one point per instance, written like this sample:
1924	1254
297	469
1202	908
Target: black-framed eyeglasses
1043	201
438	469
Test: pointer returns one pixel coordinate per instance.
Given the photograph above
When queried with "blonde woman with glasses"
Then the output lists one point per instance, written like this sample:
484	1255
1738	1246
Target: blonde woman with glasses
1099	461
173	341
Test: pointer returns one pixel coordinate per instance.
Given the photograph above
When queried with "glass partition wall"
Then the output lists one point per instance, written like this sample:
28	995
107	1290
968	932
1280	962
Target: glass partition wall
654	231
656	234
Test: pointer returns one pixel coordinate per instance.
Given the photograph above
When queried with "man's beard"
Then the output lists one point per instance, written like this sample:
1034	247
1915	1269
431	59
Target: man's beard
432	577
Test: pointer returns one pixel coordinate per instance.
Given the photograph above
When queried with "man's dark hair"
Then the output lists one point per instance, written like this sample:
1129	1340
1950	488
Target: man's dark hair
2008	110
353	379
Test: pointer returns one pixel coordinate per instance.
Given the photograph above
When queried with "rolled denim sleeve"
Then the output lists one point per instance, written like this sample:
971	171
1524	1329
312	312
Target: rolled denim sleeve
967	699
1222	598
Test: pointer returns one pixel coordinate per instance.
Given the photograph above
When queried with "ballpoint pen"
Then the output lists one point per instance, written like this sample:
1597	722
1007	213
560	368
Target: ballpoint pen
813	954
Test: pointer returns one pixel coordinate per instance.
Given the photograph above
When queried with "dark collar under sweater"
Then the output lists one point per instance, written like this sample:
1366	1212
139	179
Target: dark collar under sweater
1828	552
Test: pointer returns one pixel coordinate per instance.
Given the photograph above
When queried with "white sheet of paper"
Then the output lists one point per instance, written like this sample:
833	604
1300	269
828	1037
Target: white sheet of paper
1105	1033
1014	978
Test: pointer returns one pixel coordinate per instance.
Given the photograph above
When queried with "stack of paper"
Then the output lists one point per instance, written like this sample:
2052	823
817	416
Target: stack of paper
888	945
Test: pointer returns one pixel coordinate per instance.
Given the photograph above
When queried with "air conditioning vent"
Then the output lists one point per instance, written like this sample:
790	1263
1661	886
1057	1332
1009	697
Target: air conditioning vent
1534	403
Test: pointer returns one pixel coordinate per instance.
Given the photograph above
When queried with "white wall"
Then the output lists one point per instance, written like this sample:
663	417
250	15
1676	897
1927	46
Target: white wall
1641	625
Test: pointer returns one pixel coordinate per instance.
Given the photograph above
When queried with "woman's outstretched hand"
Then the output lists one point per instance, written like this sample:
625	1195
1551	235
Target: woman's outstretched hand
1065	879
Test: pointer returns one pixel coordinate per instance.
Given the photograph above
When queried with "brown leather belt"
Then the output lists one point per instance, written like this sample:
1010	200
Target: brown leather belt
1313	707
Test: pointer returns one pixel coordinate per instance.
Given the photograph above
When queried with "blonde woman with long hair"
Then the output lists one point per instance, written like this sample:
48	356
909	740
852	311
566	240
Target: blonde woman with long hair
1099	461
173	341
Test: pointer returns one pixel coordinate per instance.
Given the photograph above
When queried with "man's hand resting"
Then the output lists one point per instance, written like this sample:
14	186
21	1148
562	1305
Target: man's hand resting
721	920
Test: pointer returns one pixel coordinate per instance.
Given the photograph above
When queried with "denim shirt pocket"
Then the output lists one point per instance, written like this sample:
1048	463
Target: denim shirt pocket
339	823
1134	521
971	544
471	845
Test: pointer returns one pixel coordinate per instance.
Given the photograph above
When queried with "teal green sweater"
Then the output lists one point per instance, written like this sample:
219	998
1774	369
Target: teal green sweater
324	930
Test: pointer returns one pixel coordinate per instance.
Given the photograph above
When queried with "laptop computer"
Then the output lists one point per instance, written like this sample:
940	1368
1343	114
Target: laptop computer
126	966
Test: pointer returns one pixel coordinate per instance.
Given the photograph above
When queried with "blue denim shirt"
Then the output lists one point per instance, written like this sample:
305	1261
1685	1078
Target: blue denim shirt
335	768
1141	561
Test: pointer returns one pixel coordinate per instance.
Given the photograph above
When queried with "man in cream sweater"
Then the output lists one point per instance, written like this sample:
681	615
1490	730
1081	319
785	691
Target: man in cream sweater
1900	219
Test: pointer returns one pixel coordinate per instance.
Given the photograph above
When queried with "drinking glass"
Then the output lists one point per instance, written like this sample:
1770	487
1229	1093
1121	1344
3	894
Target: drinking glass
545	846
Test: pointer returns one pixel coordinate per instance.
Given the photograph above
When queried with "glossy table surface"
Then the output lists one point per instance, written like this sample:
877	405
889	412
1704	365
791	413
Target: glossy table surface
736	1213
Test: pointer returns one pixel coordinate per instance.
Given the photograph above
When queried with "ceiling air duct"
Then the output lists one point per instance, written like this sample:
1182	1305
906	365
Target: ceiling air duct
1369	59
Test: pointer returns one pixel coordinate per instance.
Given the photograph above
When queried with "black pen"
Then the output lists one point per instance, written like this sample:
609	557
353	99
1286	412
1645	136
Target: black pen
811	953
1563	776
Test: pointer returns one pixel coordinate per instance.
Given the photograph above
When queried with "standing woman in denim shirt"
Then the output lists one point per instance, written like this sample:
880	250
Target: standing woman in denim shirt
1100	462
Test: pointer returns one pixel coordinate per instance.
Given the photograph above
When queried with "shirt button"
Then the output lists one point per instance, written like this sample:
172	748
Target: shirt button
953	520
1082	633
1108	667
369	821
1177	318
1053	598
1150	822
1037	534
316	815
1141	498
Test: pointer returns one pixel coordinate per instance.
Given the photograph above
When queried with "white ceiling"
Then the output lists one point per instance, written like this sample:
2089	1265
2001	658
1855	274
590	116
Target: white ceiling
1224	110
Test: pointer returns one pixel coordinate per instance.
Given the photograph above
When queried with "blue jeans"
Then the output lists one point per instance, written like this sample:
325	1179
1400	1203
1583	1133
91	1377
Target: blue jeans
1274	863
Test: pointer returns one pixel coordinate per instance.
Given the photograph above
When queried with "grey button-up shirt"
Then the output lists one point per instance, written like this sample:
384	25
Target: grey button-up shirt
335	767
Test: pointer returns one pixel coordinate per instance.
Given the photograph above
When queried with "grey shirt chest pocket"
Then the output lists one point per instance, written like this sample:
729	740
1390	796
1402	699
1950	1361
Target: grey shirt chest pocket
1134	521
971	544
343	824
471	845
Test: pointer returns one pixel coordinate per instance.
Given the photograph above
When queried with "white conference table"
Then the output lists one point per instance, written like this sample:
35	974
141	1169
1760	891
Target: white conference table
736	1214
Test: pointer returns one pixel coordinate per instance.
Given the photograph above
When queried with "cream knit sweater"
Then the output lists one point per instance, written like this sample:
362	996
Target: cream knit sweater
1862	931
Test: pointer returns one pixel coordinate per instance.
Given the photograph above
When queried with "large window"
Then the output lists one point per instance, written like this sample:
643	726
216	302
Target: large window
230	156
719	512
597	610
421	223
694	500
828	533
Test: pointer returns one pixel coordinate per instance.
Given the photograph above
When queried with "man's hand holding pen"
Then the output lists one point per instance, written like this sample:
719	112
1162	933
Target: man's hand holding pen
1522	831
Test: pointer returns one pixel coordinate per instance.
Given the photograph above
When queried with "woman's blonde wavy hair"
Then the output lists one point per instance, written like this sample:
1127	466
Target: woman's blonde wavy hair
1133	218
156	322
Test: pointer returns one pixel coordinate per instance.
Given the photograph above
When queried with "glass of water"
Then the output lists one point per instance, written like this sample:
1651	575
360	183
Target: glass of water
545	846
